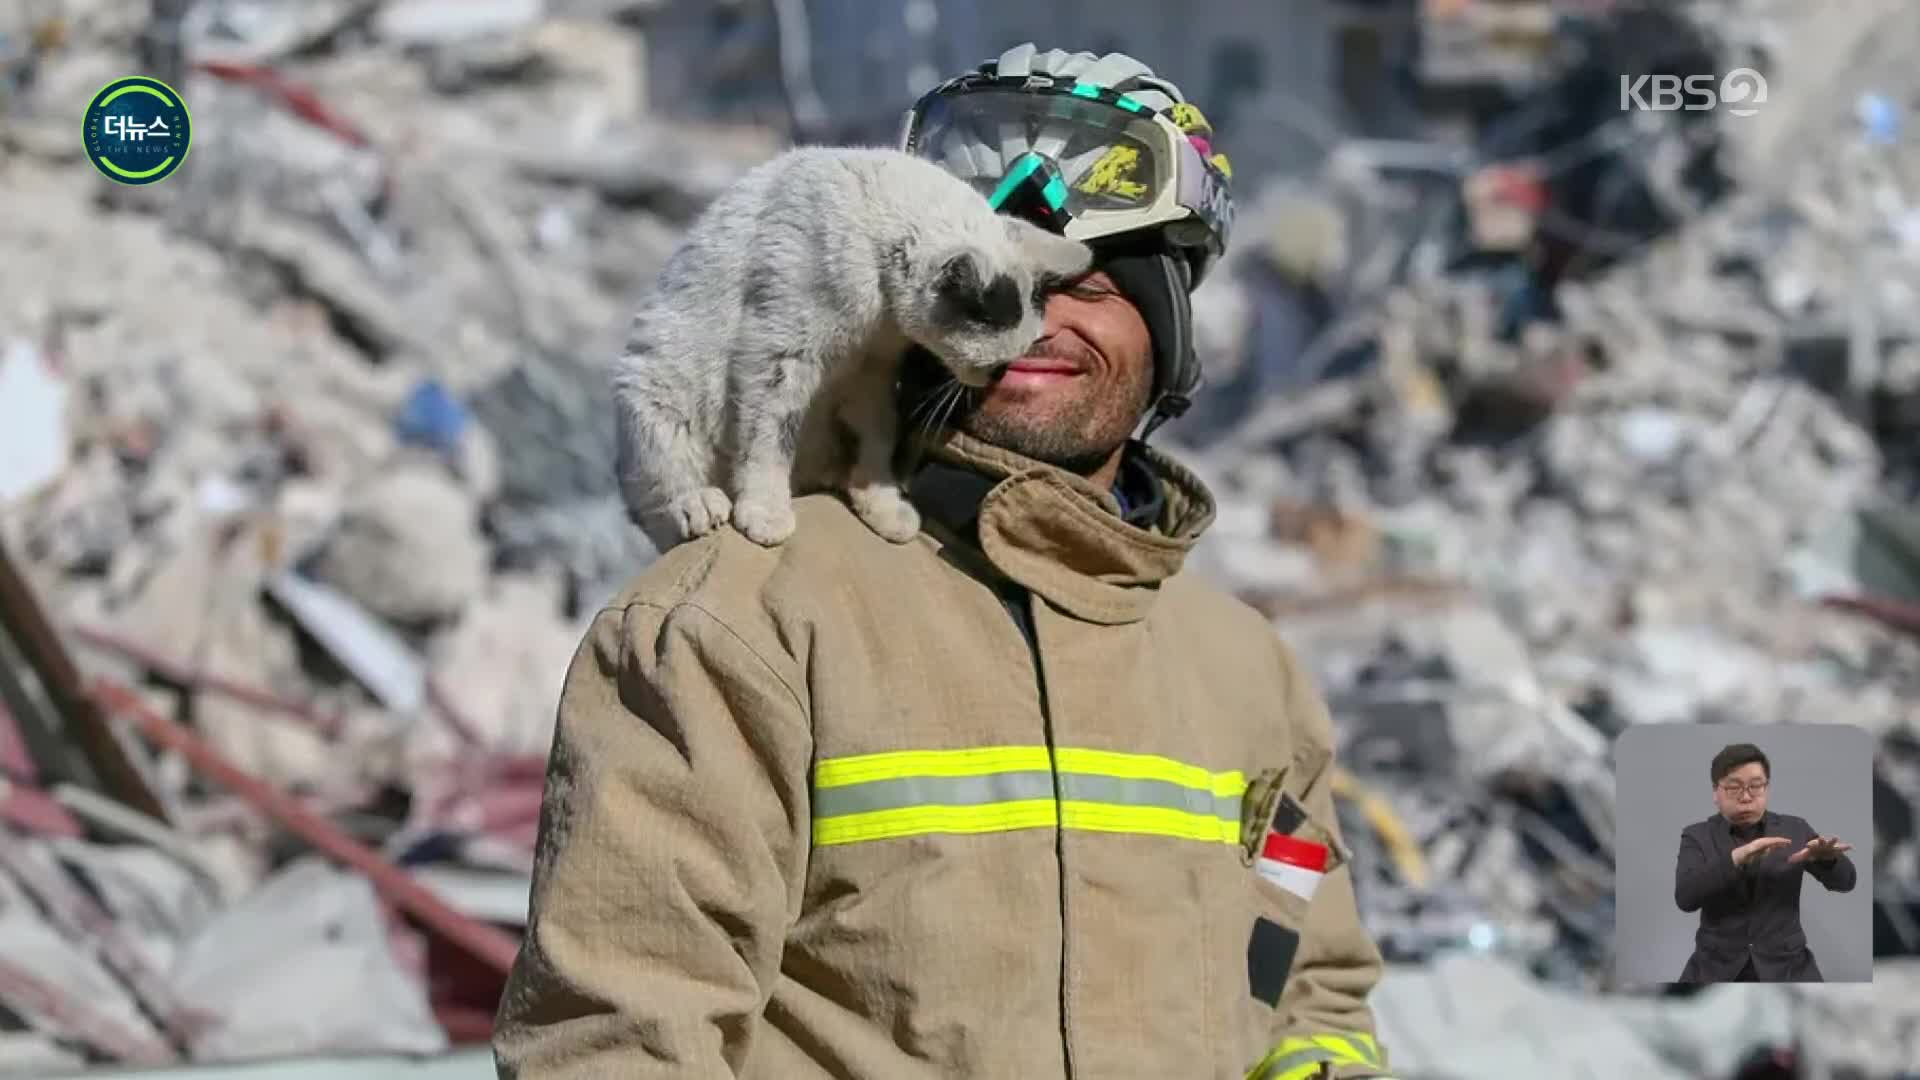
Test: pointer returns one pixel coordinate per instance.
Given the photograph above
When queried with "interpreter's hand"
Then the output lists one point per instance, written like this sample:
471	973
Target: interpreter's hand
1753	849
1819	849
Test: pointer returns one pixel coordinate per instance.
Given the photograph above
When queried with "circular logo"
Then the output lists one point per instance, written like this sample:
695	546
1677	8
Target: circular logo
1740	85
137	130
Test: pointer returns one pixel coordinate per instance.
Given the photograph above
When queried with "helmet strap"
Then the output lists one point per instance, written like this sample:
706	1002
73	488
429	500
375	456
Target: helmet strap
1166	407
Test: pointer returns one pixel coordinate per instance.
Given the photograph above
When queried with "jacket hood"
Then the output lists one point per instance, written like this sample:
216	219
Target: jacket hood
1056	533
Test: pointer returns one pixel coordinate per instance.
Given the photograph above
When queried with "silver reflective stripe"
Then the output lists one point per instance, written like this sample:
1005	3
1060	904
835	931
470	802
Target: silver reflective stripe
896	794
1121	791
899	793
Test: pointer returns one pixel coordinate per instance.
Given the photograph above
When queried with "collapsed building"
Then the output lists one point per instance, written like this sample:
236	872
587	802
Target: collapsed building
1531	418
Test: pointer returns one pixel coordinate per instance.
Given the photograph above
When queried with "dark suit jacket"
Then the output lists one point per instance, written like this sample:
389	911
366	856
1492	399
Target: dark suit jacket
1751	910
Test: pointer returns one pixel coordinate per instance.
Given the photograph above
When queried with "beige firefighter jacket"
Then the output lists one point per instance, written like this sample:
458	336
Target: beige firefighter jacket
821	810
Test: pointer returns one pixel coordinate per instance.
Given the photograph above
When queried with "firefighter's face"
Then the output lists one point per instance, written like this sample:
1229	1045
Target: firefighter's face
1741	795
1076	395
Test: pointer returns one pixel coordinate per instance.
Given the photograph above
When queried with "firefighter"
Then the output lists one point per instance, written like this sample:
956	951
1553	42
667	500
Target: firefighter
1018	798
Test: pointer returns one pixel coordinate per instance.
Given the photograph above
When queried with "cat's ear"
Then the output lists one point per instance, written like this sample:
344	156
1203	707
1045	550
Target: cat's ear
1054	255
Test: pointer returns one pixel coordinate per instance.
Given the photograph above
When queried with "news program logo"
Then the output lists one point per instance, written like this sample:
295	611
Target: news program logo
137	130
1739	92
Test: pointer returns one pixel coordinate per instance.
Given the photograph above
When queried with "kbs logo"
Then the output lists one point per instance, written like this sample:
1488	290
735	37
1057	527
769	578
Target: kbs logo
1740	91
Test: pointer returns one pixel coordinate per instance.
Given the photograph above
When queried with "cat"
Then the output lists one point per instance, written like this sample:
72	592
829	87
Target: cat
783	315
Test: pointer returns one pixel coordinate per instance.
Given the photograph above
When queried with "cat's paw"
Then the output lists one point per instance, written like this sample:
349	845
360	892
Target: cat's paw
698	513
764	522
887	512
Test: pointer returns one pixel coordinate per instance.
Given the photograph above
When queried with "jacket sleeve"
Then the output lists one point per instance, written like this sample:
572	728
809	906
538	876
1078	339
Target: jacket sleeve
1698	875
1837	875
672	841
1323	1009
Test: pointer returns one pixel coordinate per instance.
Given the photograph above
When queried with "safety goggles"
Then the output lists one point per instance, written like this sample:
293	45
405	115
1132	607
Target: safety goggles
1094	161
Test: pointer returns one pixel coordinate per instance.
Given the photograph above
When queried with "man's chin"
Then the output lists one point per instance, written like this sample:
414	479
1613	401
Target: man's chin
1033	437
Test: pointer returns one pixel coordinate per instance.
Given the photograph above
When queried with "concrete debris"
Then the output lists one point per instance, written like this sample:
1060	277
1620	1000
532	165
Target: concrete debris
1863	1029
374	654
423	22
502	667
407	547
33	410
1468	1016
1534	421
302	966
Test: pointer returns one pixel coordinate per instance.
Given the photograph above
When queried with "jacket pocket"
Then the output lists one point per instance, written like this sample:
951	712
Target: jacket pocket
1278	920
1278	889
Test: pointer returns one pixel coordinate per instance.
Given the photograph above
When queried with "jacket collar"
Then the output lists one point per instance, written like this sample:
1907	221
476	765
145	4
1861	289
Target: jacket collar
1055	533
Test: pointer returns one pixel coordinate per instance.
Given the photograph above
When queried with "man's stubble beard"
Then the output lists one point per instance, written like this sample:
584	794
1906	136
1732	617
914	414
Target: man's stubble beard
1079	438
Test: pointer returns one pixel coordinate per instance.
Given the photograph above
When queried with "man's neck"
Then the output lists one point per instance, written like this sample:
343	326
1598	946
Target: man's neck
1109	470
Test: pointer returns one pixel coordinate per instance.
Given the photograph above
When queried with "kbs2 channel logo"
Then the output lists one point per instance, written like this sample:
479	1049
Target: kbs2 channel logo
1740	91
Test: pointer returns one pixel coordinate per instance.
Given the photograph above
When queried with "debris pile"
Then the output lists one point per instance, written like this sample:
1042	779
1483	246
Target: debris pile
305	498
1507	513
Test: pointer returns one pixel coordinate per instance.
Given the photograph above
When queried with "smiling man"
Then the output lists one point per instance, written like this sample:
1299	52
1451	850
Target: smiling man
1016	799
1741	869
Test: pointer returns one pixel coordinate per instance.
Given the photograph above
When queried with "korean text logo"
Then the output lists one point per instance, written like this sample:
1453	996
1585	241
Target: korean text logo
137	130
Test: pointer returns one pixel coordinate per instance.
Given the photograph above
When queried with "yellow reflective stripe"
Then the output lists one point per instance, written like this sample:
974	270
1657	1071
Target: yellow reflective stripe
916	820
978	761
1293	1058
1345	1050
1296	1052
994	788
895	764
1151	820
1150	767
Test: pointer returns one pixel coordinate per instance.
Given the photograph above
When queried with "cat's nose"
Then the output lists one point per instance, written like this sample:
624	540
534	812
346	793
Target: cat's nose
999	305
993	303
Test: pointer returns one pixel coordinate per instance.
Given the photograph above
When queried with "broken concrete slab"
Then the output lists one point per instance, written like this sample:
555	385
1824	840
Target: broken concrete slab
33	421
435	22
407	546
300	966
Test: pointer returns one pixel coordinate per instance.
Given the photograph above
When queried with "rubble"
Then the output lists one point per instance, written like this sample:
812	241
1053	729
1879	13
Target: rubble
305	456
35	444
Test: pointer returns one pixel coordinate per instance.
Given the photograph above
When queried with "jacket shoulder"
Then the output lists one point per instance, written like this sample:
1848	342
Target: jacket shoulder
1232	628
1193	599
831	558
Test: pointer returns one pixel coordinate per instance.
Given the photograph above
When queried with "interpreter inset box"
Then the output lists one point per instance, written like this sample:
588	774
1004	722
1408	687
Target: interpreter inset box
1743	853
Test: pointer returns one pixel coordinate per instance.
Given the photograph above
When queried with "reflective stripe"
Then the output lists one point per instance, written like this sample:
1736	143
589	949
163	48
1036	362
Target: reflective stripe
911	791
1289	1066
980	761
993	789
1099	817
1298	1052
1304	1072
1347	1049
920	820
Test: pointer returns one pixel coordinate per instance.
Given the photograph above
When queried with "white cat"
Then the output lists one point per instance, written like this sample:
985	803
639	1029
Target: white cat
786	310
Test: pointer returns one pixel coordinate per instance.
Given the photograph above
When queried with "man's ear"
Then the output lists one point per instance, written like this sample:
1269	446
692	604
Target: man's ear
1052	254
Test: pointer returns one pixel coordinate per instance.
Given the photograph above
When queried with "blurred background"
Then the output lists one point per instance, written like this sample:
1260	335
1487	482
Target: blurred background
1535	411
